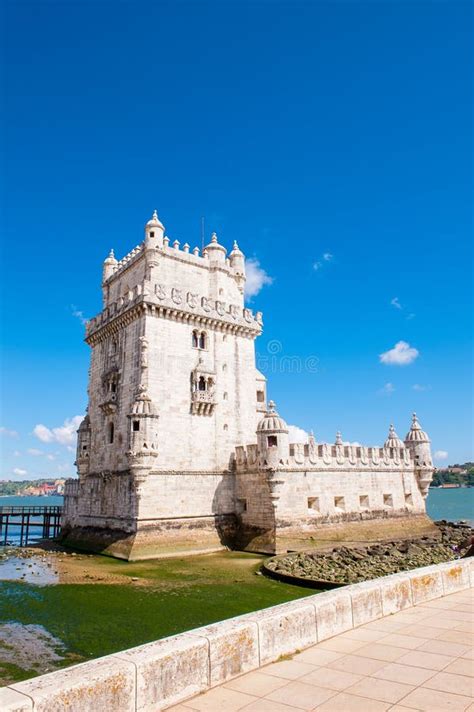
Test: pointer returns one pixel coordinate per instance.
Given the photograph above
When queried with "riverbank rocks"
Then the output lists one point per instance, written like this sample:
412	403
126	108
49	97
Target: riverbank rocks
346	565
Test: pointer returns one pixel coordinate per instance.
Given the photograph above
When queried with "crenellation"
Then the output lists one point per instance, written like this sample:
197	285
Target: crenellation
179	450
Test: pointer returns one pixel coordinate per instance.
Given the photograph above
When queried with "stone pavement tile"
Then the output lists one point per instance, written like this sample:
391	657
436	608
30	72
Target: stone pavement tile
403	673
399	708
469	655
444	648
356	665
457	684
439	603
435	701
351	703
457	636
382	690
288	669
380	651
468	607
404	641
388	625
467	626
300	695
333	679
430	661
461	666
220	698
369	636
315	656
264	705
341	645
438	622
460	616
421	631
254	683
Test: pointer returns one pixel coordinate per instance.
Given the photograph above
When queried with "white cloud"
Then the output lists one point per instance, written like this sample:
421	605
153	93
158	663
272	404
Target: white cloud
50	457
64	434
387	390
19	471
79	315
441	455
256	276
16	453
411	316
355	443
420	387
34	451
396	303
402	354
297	435
9	433
319	263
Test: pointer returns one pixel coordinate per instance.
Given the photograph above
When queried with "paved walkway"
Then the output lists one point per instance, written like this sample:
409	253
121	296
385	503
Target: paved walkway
419	659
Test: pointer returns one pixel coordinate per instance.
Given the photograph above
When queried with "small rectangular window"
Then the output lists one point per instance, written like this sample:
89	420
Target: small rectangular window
409	500
313	504
272	441
260	397
364	501
340	504
241	505
136	426
388	500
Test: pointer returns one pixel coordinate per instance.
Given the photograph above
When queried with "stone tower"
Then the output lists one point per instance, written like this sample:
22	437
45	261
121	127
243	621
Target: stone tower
173	389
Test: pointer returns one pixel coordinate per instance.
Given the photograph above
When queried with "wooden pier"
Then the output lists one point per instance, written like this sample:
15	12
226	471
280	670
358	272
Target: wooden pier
23	520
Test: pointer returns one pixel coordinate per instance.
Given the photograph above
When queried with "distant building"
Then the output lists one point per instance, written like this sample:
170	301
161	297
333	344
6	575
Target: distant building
179	451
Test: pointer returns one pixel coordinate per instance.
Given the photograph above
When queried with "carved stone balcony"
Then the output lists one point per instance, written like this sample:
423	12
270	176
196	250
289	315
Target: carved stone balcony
203	402
109	405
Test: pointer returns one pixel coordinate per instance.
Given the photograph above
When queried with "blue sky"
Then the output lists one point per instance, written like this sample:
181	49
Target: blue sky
332	139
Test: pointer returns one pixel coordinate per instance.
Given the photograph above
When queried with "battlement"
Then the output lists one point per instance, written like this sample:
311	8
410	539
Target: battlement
324	456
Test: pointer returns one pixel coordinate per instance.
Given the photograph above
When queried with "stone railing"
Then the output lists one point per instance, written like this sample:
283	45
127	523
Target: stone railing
158	675
326	456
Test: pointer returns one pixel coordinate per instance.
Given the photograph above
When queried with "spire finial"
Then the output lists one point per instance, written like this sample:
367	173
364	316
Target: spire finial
338	438
214	237
271	407
155	215
111	253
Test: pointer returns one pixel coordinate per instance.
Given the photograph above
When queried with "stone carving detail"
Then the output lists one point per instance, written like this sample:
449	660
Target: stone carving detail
192	300
177	295
160	291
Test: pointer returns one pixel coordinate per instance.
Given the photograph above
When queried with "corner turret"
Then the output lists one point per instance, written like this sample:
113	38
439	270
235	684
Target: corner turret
418	443
83	446
272	438
215	252
237	263
143	432
154	232
110	265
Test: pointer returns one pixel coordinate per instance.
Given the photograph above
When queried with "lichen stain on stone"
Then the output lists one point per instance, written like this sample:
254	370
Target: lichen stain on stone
109	691
455	573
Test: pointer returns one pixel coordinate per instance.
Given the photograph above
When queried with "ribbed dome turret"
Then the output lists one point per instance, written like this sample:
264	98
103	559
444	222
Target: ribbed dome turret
85	424
416	434
143	404
393	440
271	421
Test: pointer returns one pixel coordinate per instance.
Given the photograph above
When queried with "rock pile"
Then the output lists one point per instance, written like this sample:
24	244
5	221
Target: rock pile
344	565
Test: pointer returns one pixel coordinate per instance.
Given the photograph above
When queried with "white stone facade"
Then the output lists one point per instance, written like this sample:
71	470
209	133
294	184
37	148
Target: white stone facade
174	454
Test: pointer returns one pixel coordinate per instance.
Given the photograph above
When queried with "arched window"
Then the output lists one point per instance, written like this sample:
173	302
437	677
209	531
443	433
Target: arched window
202	383
195	339
111	433
202	340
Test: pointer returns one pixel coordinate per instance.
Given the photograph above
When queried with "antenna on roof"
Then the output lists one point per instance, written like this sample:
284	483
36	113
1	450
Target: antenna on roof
202	234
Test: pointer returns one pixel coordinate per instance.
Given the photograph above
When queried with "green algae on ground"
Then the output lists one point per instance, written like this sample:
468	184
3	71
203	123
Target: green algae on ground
168	596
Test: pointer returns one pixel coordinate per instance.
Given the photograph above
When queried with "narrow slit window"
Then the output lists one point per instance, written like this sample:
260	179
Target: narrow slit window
136	426
111	433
